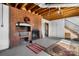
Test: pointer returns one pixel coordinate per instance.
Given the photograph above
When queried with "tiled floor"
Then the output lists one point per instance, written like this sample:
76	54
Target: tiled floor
46	42
22	50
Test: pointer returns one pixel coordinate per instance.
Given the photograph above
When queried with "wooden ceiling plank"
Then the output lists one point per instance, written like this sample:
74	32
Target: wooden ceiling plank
67	13
53	10
65	10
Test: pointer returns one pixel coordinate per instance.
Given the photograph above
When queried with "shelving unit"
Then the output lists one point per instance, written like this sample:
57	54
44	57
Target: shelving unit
23	30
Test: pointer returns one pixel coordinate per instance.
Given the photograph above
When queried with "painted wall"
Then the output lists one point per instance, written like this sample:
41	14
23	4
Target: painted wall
74	19
56	28
4	31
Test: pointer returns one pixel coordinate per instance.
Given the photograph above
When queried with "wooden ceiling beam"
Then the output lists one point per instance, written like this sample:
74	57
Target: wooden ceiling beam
45	9
32	7
37	9
44	13
19	5
29	5
12	4
23	6
16	5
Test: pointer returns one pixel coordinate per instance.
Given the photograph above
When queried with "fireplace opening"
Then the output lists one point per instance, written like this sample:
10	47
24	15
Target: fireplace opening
35	34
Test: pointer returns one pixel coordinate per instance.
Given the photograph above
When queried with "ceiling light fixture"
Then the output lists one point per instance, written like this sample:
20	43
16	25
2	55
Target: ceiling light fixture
48	12
59	11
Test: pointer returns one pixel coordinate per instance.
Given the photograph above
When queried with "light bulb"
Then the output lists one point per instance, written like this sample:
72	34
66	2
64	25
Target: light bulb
59	10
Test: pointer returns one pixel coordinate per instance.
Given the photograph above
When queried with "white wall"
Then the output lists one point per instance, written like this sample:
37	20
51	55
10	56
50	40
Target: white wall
74	19
4	31
56	28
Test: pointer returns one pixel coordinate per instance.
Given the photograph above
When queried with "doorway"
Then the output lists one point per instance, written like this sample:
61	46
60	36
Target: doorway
46	29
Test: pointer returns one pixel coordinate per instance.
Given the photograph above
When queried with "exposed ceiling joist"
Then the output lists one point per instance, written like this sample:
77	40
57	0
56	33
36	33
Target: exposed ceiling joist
29	5
12	4
32	6
16	5
52	10
37	9
40	10
19	5
23	6
50	15
44	10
